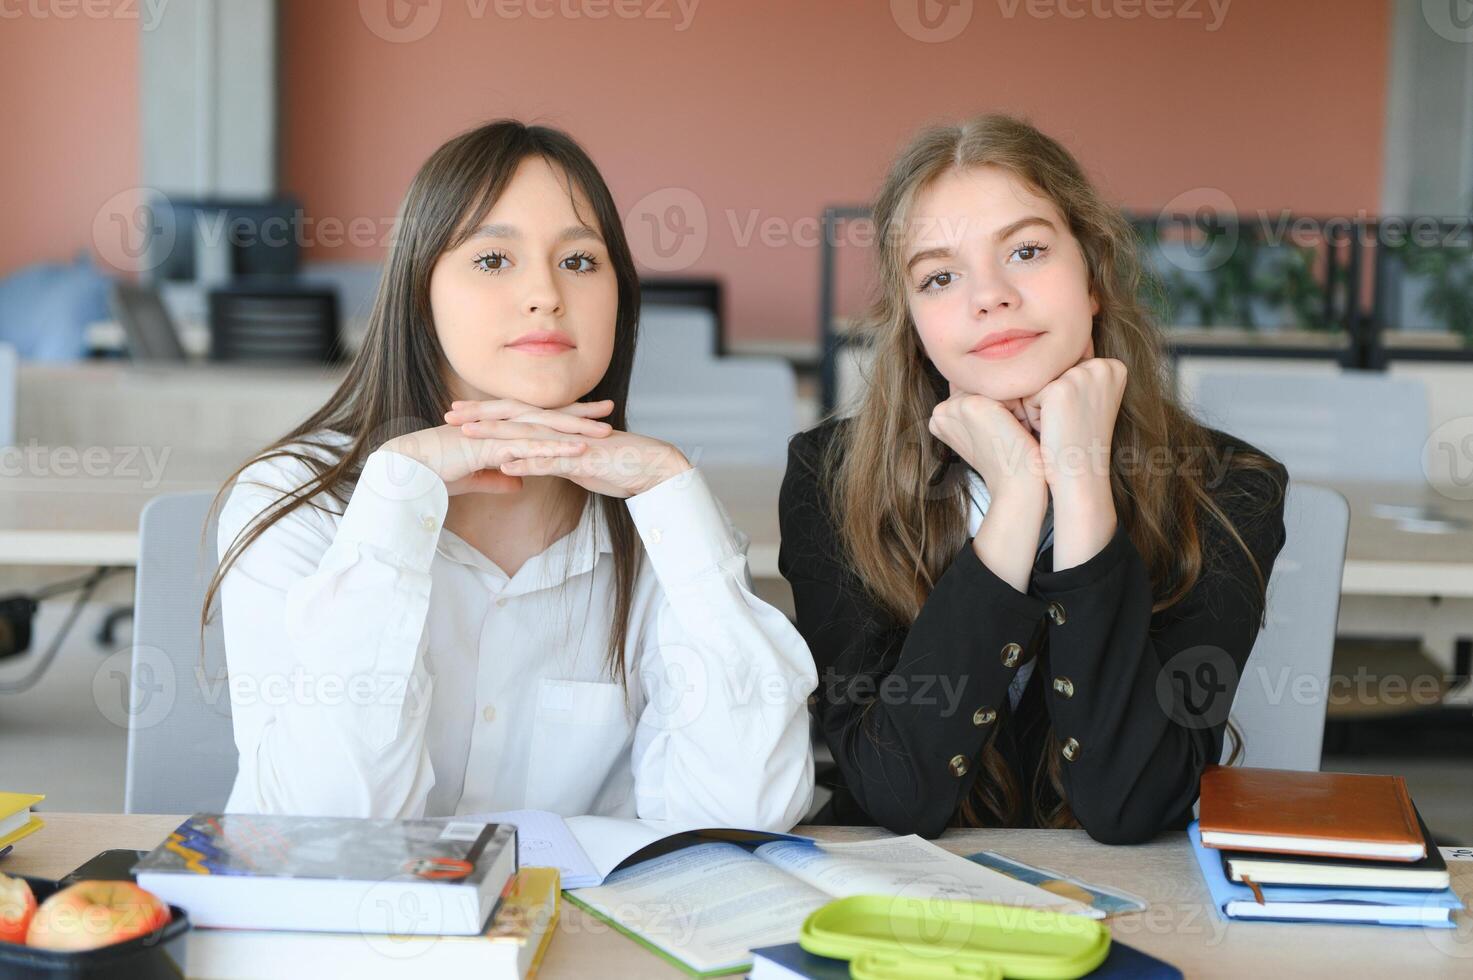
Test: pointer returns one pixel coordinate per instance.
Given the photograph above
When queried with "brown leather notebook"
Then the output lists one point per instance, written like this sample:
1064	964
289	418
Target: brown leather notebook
1330	814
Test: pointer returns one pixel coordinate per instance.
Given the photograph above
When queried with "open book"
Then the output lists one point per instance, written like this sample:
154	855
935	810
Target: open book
703	907
587	849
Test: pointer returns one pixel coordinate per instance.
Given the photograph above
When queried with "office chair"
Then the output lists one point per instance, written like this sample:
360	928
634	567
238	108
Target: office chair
181	746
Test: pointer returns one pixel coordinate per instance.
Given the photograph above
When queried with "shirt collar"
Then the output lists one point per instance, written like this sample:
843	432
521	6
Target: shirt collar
575	553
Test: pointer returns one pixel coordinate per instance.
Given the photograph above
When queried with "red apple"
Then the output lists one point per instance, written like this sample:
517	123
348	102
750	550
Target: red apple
95	913
17	905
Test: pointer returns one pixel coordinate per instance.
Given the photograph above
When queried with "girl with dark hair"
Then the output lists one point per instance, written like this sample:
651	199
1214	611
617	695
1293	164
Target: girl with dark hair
461	586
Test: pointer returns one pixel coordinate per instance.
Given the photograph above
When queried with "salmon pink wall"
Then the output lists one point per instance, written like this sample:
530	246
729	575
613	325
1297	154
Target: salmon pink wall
736	121
68	122
763	111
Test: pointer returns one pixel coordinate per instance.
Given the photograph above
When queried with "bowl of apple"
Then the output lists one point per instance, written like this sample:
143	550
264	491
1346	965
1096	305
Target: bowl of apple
90	930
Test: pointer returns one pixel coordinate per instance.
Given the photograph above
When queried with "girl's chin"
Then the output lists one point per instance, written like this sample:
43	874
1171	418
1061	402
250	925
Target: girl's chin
1004	385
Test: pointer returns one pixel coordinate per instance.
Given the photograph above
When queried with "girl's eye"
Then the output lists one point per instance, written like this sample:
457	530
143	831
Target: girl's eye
580	263
491	261
935	282
1034	250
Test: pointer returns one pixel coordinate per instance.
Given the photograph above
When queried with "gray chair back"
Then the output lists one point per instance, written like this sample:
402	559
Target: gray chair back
729	411
671	338
181	747
1281	698
9	393
1353	425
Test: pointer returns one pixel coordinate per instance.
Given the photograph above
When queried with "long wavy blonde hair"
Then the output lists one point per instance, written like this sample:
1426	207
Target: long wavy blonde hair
900	528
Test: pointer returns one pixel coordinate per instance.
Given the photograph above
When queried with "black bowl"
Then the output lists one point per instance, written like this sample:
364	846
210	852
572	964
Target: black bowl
159	955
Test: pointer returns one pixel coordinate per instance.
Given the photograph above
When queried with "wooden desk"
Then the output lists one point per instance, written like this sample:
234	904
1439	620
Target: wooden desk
1179	926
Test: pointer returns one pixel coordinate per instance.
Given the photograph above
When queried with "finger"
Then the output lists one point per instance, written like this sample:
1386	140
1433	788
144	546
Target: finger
591	410
495	408
509	408
525	427
564	422
504	452
542	466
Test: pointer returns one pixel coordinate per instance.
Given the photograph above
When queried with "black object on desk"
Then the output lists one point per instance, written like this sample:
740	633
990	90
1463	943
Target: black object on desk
264	321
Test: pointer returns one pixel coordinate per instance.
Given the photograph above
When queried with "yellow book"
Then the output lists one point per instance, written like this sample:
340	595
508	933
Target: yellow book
16	818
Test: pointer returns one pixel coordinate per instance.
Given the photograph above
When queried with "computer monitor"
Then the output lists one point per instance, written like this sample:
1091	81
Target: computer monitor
225	240
146	322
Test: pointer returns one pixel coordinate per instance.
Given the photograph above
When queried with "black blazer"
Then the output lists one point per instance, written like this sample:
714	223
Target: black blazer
1143	697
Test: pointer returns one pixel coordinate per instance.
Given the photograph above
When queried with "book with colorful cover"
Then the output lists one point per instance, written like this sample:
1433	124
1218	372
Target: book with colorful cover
333	874
16	818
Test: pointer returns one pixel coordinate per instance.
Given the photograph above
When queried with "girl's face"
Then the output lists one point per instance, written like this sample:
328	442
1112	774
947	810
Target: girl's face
997	285
526	307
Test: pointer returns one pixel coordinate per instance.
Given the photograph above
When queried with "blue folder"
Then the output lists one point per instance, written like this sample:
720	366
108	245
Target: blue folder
1225	891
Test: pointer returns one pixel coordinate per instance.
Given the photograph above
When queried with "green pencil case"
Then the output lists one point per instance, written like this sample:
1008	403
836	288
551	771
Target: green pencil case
888	938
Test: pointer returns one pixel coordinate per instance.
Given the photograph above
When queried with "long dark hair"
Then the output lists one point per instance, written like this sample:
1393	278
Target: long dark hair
398	383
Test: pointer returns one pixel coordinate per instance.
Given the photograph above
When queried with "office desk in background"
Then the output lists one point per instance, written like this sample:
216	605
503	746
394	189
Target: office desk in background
1179	926
94	520
209	417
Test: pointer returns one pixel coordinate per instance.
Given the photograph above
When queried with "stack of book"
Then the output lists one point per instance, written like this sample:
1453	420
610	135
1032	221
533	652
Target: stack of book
332	897
16	818
1319	847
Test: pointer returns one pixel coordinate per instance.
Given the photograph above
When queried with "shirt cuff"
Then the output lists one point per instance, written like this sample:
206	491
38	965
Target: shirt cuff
398	508
1109	558
684	529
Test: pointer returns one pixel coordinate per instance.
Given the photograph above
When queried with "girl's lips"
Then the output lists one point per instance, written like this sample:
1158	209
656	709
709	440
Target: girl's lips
541	348
1006	348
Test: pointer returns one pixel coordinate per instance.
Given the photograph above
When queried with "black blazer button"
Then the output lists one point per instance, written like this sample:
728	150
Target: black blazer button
958	765
1056	613
1012	655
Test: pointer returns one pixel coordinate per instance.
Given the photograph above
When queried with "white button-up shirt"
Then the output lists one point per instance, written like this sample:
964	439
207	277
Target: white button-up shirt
381	666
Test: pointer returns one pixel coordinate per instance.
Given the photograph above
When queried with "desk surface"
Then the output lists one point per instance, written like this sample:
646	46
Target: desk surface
1179	926
64	517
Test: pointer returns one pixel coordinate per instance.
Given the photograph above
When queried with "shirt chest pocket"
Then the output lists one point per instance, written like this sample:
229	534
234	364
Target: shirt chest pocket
581	731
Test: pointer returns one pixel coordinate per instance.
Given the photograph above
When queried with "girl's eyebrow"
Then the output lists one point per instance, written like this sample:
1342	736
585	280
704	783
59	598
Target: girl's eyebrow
569	234
1032	219
929	253
944	252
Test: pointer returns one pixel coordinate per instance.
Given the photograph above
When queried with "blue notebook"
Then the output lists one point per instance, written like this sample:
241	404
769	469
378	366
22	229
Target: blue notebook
1402	907
791	960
